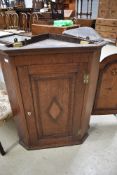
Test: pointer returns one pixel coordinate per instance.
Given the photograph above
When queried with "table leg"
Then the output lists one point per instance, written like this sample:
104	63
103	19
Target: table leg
2	150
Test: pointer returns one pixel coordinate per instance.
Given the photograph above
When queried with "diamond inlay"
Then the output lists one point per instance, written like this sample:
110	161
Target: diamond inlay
55	109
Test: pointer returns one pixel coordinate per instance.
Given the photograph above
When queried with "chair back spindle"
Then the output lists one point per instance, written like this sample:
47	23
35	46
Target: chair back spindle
83	10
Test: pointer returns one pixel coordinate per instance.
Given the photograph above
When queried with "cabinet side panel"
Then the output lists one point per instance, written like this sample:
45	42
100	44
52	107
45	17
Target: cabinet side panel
12	84
93	70
79	99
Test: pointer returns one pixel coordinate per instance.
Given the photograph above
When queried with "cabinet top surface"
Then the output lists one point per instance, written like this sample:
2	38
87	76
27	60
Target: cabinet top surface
45	41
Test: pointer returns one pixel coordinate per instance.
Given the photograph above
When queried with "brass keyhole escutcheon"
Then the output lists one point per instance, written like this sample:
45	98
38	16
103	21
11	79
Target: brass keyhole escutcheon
29	114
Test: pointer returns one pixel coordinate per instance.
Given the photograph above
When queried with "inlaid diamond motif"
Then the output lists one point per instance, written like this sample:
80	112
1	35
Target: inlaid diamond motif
55	109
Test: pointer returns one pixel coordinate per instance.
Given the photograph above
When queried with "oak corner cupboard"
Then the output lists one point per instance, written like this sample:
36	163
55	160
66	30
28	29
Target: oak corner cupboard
51	82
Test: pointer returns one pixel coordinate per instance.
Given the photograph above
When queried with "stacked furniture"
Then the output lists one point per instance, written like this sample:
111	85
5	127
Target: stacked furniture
2	21
107	27
106	23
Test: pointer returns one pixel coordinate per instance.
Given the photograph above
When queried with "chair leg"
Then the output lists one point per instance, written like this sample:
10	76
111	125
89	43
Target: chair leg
2	150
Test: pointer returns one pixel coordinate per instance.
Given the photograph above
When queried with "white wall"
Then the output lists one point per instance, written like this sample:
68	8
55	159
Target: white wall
28	3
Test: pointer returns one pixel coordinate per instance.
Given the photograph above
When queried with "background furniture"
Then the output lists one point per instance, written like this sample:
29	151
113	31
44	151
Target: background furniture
41	29
106	23
85	22
11	20
84	8
106	93
107	27
2	20
69	4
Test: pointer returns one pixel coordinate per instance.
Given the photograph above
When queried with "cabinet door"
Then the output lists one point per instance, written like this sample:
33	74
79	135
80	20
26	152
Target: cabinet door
52	96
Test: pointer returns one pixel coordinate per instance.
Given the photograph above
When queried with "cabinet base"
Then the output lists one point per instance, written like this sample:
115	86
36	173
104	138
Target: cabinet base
55	145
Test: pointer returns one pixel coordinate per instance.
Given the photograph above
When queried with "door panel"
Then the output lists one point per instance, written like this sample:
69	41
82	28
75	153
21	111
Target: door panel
50	94
53	98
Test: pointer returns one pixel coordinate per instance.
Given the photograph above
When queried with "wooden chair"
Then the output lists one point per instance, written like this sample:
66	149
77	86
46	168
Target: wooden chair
23	21
26	20
80	10
2	21
12	20
37	4
29	22
15	20
34	18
